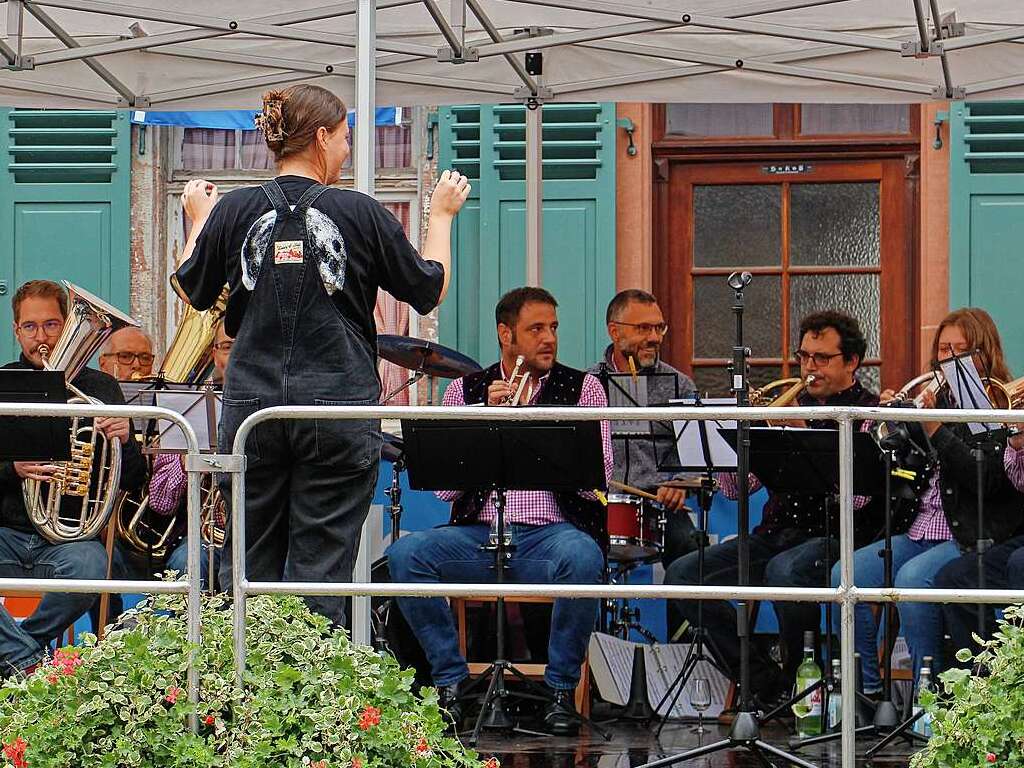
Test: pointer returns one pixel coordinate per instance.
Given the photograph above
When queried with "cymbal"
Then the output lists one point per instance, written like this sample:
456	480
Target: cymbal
421	355
393	448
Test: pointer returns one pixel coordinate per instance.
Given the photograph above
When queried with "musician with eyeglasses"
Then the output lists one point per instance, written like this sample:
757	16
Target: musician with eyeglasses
40	310
789	547
560	538
128	355
637	328
943	517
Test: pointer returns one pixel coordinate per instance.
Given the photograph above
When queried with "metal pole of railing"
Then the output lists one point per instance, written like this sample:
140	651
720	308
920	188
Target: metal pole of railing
847	606
189	586
239	582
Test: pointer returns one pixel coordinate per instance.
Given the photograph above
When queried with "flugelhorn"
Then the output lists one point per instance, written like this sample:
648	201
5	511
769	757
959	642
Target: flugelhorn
77	501
794	386
517	382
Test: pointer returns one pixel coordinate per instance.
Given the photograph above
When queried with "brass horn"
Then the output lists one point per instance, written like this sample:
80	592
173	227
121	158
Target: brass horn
794	386
188	360
78	500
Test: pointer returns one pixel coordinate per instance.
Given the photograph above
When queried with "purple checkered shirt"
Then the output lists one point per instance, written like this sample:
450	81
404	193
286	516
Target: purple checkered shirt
536	507
930	523
1013	461
168	484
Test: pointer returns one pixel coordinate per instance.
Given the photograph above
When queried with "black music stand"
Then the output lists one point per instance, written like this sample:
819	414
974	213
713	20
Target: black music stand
806	461
711	458
34	438
496	457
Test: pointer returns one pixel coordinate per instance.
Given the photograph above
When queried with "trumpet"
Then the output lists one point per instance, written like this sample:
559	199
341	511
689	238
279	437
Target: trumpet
517	383
794	386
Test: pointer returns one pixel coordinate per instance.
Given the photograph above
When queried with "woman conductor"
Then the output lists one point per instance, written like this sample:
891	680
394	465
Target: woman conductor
303	263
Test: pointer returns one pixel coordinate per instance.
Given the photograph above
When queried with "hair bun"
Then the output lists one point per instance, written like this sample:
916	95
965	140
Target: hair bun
271	120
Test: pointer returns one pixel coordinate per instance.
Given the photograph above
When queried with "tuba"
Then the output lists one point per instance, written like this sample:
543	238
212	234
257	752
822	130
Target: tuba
78	500
189	360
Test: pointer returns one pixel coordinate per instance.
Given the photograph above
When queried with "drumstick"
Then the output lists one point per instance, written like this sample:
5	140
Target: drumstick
630	489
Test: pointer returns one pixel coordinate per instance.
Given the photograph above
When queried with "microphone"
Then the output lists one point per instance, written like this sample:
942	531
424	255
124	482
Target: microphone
740	280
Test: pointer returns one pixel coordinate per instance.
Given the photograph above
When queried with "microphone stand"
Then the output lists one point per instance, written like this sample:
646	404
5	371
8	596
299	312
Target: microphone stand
745	731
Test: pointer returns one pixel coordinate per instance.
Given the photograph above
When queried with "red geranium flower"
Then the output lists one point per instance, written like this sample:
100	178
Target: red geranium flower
209	719
369	717
357	762
15	752
422	747
991	757
172	694
492	762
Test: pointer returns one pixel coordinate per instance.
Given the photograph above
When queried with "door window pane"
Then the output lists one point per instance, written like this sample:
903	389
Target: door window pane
835	224
856	295
705	120
831	119
737	225
714	325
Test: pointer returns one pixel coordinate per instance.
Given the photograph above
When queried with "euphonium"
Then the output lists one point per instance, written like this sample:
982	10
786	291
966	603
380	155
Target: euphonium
188	360
1009	394
77	501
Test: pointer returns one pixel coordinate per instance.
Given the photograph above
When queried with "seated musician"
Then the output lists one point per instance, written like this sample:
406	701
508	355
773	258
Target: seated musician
788	548
637	329
1003	564
128	355
559	537
40	309
945	515
169	482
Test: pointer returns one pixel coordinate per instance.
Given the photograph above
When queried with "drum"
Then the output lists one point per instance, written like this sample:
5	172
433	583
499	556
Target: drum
635	528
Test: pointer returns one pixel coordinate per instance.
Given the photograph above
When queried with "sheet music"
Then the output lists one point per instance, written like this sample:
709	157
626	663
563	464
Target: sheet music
689	443
625	391
193	406
967	390
611	661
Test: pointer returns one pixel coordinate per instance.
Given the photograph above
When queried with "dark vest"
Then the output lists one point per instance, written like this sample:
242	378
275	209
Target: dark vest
562	387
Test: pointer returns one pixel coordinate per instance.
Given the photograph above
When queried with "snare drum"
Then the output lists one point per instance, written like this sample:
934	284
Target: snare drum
635	528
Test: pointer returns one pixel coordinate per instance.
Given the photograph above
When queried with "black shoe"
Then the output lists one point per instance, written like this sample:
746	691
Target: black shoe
559	716
450	703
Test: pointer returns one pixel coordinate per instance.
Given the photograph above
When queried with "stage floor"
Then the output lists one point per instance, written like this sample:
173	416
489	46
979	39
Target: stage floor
632	745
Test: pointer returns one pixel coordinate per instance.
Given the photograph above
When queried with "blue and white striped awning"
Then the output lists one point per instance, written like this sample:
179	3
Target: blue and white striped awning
239	119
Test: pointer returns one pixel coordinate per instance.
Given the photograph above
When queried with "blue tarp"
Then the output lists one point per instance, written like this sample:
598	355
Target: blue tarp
238	119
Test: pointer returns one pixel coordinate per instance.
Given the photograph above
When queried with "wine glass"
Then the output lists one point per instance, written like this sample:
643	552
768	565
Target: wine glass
700	699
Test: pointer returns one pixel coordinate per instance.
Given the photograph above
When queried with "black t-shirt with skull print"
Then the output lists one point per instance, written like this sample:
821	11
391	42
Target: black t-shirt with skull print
359	246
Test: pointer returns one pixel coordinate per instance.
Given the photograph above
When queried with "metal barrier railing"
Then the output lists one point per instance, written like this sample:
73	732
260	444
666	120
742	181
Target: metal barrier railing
847	595
190	584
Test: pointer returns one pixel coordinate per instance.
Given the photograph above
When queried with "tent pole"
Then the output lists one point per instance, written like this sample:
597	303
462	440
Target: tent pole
365	173
534	192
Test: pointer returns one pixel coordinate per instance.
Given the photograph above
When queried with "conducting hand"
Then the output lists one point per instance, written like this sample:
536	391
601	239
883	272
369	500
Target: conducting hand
198	199
34	470
450	193
671	498
114	428
498	392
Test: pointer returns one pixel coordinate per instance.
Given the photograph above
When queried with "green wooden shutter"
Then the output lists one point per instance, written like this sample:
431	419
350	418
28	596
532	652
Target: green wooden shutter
487	143
64	204
986	202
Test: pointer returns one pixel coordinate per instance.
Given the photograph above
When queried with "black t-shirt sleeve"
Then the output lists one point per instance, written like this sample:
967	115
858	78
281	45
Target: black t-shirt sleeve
403	272
201	278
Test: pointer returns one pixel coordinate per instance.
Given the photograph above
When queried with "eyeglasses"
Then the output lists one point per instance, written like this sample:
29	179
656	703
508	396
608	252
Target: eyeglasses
224	346
127	358
820	358
950	350
50	327
645	328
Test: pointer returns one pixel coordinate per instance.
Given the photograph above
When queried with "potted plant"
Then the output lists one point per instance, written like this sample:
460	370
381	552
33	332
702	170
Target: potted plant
311	699
978	720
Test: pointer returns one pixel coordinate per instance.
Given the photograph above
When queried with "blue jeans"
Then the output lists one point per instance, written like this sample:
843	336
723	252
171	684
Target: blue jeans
178	561
915	564
27	555
550	554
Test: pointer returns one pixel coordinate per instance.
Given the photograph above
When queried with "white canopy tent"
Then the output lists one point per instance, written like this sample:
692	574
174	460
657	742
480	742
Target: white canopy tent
201	55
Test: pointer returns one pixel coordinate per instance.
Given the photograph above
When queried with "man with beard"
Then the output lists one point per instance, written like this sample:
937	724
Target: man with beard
637	329
559	538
